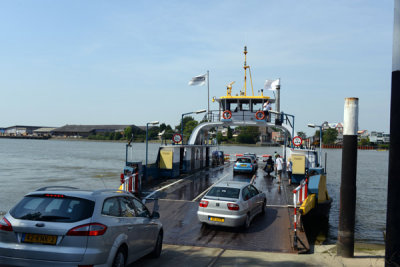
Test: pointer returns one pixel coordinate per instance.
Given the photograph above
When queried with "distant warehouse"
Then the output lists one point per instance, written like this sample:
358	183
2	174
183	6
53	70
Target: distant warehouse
20	130
86	130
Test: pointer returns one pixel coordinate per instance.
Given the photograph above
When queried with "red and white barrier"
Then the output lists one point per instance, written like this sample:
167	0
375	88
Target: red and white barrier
233	157
130	183
265	157
299	195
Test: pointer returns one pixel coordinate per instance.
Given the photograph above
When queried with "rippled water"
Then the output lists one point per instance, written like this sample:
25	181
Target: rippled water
26	165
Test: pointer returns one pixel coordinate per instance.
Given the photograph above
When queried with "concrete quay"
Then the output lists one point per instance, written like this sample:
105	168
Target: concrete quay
323	255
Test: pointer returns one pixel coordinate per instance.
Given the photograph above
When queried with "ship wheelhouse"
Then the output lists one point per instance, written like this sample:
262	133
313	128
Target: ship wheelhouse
242	108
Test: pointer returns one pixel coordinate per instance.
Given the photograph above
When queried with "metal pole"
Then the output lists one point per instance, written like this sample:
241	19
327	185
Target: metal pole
147	129
392	254
126	154
208	96
320	145
348	188
293	130
278	97
182	126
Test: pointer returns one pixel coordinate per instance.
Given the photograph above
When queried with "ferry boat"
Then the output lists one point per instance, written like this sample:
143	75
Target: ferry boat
242	109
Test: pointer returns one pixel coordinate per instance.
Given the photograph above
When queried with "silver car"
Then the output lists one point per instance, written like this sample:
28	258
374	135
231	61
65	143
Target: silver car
70	227
231	203
253	157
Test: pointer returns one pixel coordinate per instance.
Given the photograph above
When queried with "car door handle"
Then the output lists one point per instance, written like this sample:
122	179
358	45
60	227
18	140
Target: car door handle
130	228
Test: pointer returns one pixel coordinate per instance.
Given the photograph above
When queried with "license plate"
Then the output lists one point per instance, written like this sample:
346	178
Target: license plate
243	165
38	238
216	219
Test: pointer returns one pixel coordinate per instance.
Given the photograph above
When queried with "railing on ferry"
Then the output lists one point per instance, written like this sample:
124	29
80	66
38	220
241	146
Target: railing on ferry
299	195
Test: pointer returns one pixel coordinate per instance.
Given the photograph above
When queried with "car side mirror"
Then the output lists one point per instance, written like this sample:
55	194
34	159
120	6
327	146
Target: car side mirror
155	215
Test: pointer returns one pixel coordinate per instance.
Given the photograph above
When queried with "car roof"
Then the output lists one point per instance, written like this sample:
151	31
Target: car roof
243	157
232	184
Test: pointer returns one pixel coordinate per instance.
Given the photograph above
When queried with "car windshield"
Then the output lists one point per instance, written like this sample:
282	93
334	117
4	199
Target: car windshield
53	208
244	160
224	192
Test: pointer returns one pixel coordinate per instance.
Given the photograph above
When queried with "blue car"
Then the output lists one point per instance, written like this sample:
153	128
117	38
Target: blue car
244	165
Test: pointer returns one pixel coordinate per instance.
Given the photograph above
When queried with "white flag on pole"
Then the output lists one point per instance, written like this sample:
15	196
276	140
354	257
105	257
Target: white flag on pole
198	80
271	84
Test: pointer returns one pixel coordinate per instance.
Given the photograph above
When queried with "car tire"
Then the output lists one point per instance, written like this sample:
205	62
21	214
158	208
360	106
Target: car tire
119	260
263	207
158	247
247	223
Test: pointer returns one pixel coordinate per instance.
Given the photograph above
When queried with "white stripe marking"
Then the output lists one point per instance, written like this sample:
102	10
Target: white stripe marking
209	188
162	188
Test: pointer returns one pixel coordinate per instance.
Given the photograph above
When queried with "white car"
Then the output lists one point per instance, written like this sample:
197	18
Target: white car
231	203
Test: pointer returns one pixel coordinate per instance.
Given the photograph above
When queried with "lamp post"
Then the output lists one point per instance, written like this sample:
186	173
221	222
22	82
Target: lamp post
311	125
147	130
193	112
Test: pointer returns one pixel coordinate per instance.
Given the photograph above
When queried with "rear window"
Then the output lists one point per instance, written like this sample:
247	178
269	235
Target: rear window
224	192
53	208
244	160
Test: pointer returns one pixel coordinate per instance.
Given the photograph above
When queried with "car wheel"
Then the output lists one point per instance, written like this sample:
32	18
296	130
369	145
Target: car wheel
158	247
119	260
263	207
247	222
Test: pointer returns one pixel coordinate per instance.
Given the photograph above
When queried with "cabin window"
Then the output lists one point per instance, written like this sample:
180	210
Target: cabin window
235	107
257	106
245	106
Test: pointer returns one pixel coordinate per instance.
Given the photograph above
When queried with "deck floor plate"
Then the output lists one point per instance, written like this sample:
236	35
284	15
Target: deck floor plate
269	232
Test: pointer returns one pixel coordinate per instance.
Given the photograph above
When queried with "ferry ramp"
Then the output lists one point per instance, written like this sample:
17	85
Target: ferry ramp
271	232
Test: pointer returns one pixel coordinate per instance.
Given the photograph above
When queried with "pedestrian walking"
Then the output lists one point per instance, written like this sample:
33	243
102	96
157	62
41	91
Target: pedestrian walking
279	167
275	157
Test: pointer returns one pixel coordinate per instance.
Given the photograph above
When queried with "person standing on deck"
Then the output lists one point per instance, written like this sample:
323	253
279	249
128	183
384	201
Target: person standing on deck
279	167
266	109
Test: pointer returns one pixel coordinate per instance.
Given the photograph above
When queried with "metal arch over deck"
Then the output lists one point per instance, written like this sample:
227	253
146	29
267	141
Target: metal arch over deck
197	136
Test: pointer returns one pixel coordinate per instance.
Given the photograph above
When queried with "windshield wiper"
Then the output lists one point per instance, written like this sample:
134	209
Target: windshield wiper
31	216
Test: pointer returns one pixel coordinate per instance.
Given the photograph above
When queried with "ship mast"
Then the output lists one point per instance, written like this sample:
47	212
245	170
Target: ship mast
245	67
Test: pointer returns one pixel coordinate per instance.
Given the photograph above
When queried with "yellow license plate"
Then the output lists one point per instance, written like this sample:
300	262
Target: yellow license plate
243	165
38	238
216	219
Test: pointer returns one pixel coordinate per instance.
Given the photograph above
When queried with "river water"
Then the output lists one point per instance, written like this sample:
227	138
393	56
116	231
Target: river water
26	165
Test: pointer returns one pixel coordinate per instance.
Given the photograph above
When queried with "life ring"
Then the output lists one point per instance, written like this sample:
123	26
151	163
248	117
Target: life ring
227	114
260	115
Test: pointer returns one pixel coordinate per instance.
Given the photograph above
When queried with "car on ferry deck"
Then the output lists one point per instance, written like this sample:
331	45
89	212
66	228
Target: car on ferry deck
244	165
70	227
231	203
254	158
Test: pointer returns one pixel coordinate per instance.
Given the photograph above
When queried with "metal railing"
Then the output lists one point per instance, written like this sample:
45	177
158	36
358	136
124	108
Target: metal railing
243	115
299	195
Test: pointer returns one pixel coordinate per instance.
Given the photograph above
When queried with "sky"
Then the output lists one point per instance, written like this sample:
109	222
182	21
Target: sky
129	62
